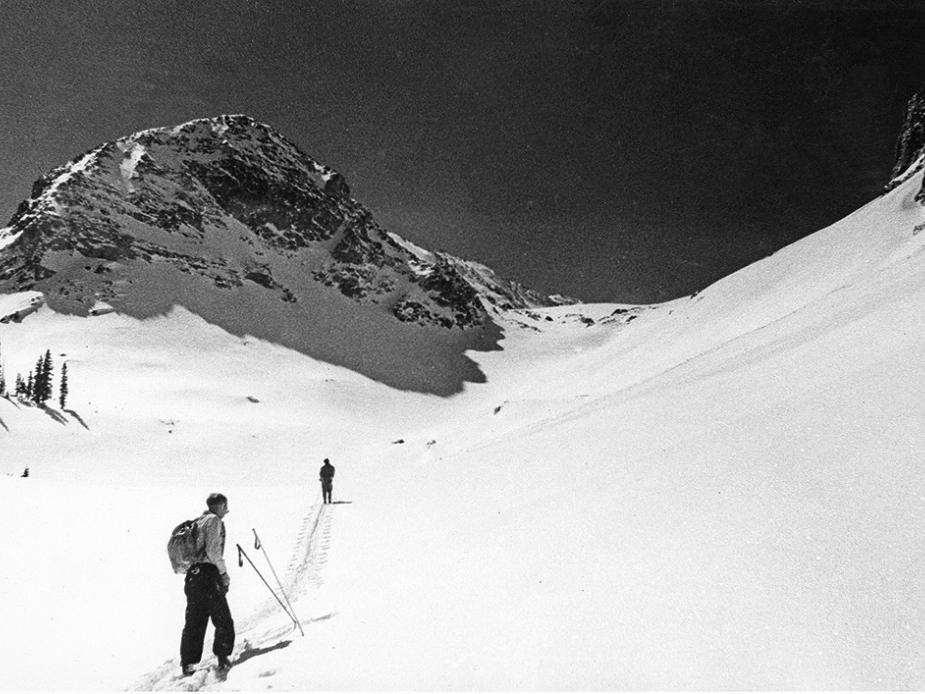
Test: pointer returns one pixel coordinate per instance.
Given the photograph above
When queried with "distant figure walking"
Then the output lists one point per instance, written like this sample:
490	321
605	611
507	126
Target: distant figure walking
326	475
206	584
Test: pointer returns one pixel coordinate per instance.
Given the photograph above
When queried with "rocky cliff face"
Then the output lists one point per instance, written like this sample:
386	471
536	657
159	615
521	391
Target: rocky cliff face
226	217
910	148
219	197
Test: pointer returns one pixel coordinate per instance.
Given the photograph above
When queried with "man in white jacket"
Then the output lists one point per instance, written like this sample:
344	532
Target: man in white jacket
206	584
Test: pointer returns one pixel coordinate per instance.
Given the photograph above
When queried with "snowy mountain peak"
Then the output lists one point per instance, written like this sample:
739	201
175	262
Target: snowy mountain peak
228	218
910	148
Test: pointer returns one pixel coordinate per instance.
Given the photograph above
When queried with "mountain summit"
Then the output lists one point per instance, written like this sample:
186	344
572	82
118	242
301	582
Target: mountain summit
910	148
228	218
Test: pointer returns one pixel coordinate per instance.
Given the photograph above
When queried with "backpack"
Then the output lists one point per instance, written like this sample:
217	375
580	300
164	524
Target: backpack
185	546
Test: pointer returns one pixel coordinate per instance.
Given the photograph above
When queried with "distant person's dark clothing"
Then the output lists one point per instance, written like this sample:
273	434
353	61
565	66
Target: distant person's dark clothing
326	475
205	587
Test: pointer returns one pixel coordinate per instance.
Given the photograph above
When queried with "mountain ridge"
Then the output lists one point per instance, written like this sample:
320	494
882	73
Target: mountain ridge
226	216
910	145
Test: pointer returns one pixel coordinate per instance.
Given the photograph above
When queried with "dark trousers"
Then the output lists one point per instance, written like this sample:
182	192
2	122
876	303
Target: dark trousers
327	486
205	599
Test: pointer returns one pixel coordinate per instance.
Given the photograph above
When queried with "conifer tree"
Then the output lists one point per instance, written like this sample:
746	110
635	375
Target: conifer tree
63	388
47	383
42	384
37	382
20	386
2	377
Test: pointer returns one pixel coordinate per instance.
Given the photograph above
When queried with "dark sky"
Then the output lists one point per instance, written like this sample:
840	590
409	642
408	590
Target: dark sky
613	150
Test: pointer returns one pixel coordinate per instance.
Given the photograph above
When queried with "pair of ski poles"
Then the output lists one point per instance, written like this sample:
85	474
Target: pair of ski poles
287	608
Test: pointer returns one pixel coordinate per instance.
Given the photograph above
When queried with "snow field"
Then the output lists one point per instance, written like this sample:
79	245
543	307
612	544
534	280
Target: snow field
724	493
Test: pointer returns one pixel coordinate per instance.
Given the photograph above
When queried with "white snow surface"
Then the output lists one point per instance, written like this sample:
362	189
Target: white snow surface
68	171
422	253
7	237
725	492
132	153
911	170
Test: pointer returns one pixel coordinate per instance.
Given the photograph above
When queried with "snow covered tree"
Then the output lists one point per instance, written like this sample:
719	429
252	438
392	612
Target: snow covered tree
3	392
63	387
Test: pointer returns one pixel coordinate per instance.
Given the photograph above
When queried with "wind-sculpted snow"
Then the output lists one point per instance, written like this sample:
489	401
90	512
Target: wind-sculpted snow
226	217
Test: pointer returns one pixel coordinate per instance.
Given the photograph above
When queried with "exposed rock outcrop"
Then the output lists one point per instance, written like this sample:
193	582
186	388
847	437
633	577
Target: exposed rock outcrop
224	216
910	148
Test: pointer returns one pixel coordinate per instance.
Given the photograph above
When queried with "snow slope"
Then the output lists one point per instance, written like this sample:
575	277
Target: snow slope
228	218
719	492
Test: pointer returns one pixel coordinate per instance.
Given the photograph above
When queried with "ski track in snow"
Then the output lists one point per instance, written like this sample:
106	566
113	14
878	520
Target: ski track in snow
260	630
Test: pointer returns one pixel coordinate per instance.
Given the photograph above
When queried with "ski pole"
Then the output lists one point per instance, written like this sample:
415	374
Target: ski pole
242	553
259	545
